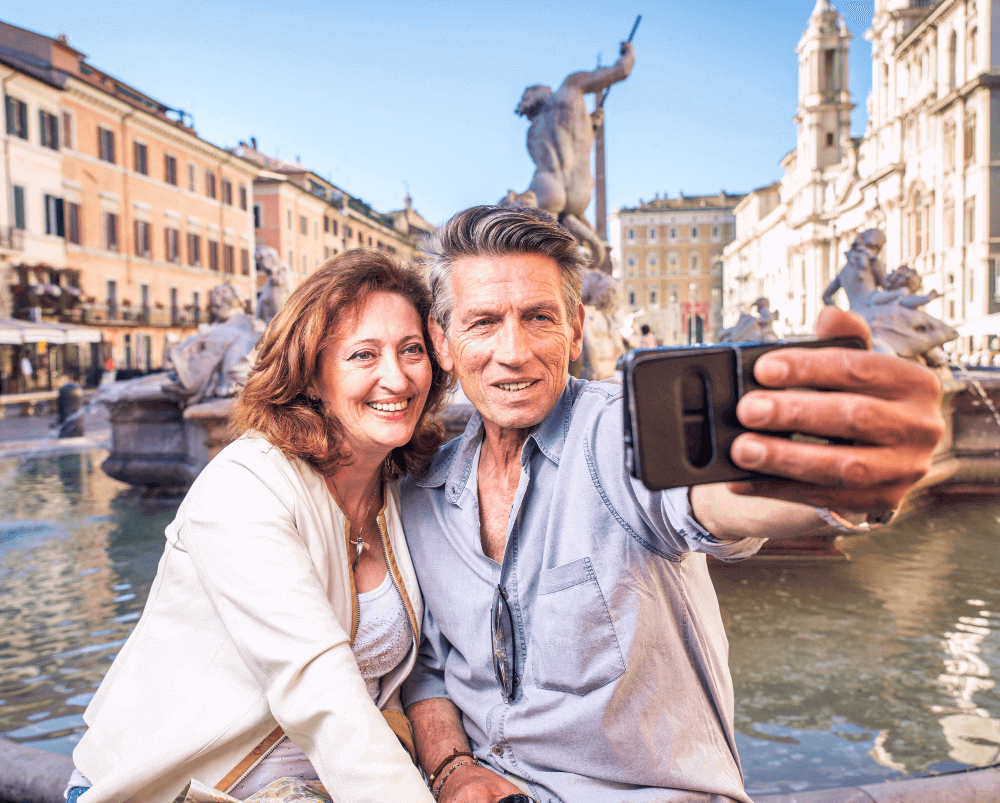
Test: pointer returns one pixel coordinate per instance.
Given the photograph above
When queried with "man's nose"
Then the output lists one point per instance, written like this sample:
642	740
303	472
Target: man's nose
512	344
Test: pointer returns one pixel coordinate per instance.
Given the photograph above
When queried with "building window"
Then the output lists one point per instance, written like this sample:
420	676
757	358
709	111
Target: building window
54	223
144	301
227	192
948	145
172	245
652	235
952	60
673	232
111	231
651	265
693	263
49	126
289	223
970	220
305	264
112	299
672	261
694	232
20	218
174	307
228	260
140	158
67	130
196	307
194	249
631	298
969	138
244	202
17	117
949	225
210	183
72	222
142	231
192	178
303	225
326	224
106	145
715	232
170	169
333	225
631	235
652	298
245	261
213	255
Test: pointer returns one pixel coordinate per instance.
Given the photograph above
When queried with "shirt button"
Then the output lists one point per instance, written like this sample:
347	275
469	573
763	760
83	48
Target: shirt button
497	750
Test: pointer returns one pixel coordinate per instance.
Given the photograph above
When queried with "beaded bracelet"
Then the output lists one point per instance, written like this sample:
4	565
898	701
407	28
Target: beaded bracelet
444	777
433	776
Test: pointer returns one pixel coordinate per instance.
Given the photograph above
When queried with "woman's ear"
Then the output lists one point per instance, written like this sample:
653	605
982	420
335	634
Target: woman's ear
441	346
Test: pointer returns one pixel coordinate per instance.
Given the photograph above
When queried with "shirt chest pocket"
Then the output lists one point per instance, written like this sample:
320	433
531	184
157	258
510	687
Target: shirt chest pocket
573	643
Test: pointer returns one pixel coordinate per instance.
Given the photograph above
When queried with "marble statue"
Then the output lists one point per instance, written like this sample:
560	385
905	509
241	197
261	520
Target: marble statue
751	328
560	140
602	339
215	362
890	303
279	284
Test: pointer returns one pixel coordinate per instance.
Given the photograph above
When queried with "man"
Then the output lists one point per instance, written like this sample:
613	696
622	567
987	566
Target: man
573	644
560	141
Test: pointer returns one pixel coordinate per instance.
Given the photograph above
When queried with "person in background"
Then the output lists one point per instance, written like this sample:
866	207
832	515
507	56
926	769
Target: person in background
648	339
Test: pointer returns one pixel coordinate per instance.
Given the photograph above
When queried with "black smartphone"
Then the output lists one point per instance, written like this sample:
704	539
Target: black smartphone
680	409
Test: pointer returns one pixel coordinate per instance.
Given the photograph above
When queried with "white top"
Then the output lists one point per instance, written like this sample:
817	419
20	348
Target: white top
381	643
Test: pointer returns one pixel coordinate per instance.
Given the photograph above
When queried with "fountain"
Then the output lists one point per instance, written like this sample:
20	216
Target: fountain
166	427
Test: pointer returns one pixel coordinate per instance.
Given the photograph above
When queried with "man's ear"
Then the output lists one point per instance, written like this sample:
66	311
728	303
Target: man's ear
576	344
441	346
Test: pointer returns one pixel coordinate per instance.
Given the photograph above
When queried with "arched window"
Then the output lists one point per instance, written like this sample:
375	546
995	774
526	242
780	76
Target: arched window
952	60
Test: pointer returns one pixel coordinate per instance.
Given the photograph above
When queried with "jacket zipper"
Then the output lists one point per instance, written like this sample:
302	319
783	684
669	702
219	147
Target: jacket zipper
253	766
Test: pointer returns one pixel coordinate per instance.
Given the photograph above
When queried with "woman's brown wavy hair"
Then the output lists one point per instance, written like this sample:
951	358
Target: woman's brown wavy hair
274	401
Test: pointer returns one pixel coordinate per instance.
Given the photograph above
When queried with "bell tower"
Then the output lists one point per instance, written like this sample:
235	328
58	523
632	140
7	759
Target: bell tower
823	117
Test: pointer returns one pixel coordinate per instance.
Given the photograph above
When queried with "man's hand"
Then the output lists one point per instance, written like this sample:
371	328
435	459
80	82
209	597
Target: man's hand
475	784
888	407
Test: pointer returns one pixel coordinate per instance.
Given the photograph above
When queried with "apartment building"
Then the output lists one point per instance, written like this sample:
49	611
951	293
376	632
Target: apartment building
667	253
308	219
129	213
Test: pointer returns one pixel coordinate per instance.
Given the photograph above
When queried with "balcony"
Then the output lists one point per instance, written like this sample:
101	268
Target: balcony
11	239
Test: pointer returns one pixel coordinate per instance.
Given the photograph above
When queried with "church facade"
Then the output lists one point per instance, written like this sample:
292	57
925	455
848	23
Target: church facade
926	172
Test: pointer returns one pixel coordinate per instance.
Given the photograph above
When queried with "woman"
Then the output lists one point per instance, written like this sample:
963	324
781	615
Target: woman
285	604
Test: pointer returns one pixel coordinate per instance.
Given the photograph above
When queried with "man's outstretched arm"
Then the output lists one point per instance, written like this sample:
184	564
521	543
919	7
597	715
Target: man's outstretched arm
889	409
438	733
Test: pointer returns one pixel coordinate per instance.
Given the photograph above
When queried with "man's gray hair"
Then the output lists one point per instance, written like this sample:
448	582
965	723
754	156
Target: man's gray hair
495	231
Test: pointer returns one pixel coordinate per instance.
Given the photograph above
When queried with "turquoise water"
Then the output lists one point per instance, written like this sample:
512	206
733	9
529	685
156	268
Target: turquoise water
880	668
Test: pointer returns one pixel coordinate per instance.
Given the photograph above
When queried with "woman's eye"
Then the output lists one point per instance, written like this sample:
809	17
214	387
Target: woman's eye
362	355
414	348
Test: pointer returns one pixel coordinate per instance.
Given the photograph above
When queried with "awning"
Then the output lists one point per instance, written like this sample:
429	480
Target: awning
990	325
14	332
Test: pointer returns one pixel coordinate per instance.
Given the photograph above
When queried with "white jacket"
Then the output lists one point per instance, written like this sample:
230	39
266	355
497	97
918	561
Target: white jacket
248	625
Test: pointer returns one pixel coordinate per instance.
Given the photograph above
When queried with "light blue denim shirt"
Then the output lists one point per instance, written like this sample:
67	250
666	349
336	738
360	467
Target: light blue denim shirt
624	693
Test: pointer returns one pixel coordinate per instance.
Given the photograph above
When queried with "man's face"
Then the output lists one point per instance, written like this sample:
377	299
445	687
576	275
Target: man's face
511	337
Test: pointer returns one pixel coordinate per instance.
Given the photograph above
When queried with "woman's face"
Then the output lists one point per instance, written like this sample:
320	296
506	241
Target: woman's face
374	377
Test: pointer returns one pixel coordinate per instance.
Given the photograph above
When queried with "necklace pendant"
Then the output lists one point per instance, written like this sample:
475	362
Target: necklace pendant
360	546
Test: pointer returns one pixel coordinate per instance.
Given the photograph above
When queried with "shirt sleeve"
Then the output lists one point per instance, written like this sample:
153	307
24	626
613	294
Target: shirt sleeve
426	680
664	519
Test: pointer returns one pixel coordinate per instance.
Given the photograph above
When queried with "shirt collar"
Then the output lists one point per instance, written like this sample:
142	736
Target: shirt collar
455	463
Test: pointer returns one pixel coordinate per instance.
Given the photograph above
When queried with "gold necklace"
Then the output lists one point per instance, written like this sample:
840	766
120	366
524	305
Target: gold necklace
359	543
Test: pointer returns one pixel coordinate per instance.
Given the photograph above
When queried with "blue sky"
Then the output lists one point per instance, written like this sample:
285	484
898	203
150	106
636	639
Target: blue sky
381	96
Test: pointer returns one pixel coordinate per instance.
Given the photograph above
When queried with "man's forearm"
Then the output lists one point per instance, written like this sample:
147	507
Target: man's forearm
437	731
728	516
